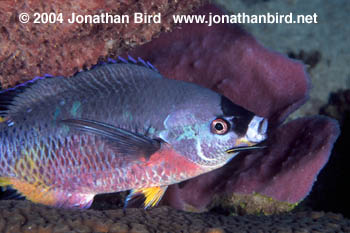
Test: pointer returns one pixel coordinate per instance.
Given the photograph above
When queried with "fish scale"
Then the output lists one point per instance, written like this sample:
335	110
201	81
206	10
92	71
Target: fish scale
116	127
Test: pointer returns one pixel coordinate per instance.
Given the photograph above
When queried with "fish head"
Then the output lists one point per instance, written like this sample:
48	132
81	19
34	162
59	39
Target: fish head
210	130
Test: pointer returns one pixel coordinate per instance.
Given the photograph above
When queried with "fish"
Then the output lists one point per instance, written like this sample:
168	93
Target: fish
116	127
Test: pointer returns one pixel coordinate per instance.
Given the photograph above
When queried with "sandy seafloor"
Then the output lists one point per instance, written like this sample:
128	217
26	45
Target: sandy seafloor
330	37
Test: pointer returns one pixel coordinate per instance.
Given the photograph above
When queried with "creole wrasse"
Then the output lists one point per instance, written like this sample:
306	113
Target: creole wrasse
116	127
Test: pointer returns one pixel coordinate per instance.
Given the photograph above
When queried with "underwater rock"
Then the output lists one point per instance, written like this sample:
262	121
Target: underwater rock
28	50
229	60
24	216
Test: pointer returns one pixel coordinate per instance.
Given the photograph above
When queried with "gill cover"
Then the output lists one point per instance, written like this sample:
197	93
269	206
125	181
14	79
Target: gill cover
190	131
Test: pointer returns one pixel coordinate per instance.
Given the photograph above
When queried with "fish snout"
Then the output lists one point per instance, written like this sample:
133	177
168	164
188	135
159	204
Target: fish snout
257	129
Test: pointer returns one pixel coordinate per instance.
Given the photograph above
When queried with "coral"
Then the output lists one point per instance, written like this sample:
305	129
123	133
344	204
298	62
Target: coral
23	216
228	60
29	50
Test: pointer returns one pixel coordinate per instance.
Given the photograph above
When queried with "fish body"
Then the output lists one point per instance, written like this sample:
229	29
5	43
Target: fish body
116	127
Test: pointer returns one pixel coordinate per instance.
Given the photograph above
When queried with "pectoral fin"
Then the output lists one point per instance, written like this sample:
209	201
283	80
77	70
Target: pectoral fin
130	144
148	197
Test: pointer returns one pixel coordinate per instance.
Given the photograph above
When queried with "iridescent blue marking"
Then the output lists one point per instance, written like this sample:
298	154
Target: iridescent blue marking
122	60
132	59
139	61
110	60
127	116
152	67
75	108
57	113
142	61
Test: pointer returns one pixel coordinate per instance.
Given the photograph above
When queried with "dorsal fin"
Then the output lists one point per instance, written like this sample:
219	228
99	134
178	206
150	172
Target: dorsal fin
99	79
120	60
132	145
20	87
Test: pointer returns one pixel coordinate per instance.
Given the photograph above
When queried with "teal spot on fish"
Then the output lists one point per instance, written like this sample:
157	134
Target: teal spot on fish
192	132
64	129
75	108
188	133
151	131
57	113
127	116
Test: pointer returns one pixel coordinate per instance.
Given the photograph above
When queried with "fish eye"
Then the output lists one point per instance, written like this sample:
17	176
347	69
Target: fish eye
219	126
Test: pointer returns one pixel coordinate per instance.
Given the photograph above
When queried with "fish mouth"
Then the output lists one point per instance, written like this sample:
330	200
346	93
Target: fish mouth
245	148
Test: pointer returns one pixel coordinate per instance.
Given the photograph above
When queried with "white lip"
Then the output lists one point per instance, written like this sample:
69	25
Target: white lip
257	129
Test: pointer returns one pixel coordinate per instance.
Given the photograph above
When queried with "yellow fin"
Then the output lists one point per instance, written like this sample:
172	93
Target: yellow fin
33	186
40	193
2	119
33	192
151	195
5	181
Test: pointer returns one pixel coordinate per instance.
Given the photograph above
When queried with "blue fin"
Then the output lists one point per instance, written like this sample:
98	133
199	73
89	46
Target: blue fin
146	197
